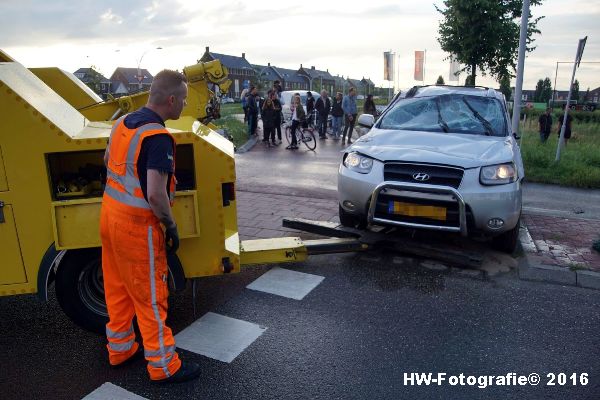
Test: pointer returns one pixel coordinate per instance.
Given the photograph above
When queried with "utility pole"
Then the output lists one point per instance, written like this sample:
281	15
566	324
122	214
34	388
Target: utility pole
563	127
521	66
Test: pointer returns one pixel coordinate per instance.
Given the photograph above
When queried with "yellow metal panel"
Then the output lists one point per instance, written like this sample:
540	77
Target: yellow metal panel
272	251
73	90
12	270
77	222
3	180
186	214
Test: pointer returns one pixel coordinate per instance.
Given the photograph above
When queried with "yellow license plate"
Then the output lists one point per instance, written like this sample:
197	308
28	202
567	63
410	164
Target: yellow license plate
417	210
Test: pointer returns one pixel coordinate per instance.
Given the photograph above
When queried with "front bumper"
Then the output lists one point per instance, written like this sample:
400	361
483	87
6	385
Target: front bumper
473	204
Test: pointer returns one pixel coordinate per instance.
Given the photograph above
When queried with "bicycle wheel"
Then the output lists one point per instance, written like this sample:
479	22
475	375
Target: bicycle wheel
307	137
288	134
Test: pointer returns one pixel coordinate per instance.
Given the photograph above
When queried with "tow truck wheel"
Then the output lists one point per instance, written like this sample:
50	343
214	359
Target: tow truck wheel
507	241
351	221
80	289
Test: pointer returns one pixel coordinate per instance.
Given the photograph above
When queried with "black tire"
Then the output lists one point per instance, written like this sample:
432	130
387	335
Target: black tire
80	289
308	138
507	241
350	220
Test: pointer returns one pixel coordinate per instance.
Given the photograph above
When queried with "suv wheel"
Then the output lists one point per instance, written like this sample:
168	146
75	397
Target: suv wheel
507	241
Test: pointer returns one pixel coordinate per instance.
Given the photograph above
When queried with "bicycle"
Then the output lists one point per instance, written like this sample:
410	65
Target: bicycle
303	135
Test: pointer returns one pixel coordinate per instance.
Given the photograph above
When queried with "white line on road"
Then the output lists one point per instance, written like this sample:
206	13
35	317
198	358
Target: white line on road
108	391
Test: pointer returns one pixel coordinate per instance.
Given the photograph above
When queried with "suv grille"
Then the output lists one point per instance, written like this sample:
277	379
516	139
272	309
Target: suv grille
438	175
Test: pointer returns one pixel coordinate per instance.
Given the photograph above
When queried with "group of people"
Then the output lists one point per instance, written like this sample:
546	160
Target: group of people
545	125
341	108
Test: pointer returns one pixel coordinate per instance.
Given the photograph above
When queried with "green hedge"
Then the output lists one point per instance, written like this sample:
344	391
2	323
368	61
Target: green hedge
578	116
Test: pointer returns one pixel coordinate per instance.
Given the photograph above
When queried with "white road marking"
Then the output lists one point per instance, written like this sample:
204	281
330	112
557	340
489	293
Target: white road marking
108	391
219	337
286	283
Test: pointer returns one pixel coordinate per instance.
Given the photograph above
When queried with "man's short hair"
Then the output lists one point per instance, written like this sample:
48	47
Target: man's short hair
166	83
351	89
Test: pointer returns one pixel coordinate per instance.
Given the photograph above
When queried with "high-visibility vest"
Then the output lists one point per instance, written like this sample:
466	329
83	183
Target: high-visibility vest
122	179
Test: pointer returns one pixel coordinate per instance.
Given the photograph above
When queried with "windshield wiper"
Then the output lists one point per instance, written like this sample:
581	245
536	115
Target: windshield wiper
489	131
441	121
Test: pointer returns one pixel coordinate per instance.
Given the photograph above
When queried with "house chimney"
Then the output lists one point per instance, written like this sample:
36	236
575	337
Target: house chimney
207	49
268	64
312	67
244	56
301	66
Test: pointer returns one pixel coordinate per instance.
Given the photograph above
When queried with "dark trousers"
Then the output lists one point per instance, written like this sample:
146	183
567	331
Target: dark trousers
348	126
268	134
252	123
295	125
322	125
278	129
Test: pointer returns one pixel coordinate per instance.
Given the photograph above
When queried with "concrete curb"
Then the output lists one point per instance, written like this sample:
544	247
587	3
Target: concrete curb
248	145
531	270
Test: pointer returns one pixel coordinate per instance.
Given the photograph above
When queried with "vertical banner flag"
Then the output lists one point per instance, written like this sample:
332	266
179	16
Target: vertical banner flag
454	69
419	63
388	66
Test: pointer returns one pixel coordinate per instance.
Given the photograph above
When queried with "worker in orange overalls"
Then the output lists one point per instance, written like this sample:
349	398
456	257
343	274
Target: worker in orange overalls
140	184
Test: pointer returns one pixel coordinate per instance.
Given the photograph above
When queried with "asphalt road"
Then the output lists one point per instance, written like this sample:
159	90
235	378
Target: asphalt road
354	336
369	322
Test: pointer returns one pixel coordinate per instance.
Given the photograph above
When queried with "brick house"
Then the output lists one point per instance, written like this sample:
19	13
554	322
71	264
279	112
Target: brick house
94	80
318	79
126	81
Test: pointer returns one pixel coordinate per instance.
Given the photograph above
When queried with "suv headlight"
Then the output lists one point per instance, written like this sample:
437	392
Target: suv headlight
358	163
499	174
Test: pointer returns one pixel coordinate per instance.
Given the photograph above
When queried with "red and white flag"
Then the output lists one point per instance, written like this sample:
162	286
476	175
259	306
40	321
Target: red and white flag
419	64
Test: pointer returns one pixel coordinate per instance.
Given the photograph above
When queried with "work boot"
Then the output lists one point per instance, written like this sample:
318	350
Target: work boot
188	371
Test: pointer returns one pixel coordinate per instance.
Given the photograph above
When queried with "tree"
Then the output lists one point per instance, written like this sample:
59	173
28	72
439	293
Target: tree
586	96
484	34
546	91
575	91
505	87
470	81
537	95
440	81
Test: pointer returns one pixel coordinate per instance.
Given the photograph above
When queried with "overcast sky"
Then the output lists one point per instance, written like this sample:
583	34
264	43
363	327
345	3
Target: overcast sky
346	37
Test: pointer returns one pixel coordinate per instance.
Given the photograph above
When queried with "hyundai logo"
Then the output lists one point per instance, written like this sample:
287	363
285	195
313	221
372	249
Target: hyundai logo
421	177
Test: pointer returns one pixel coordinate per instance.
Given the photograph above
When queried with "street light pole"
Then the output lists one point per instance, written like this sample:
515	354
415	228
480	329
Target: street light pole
139	71
521	66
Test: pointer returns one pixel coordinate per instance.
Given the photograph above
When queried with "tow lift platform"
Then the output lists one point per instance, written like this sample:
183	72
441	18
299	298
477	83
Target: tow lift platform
341	239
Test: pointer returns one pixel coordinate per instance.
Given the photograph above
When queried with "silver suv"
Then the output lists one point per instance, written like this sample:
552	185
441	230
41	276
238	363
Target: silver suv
440	158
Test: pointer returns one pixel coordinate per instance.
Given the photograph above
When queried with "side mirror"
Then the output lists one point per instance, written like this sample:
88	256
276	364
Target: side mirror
517	137
366	120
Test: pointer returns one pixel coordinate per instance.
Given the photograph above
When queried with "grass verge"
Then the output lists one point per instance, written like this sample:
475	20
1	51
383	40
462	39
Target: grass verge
579	165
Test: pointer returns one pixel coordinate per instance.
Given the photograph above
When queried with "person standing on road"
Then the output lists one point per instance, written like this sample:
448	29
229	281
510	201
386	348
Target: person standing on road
277	87
140	187
350	112
337	114
298	116
252	112
323	105
310	106
568	121
369	106
545	125
244	99
278	116
268	119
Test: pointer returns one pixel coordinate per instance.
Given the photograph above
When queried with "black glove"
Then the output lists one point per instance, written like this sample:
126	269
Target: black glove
171	235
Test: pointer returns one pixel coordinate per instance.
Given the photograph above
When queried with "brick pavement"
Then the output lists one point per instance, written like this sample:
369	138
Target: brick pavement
565	242
260	214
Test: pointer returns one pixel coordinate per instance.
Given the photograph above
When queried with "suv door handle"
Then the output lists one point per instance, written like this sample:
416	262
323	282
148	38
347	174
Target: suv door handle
1	212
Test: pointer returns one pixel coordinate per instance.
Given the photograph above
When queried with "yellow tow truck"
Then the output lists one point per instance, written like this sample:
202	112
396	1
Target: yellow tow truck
53	133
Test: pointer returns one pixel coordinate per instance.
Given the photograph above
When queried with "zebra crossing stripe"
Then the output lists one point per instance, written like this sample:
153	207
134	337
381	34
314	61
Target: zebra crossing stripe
286	283
108	391
219	337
